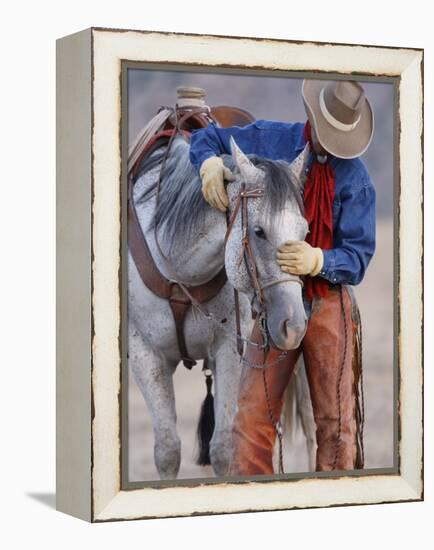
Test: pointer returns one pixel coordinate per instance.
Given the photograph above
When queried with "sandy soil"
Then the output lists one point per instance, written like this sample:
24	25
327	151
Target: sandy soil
375	297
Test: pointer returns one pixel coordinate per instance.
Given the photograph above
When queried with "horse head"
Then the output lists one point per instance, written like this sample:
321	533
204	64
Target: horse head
272	214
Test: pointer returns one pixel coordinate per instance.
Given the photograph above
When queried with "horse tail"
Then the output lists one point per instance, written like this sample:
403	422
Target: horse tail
205	427
297	415
304	405
290	421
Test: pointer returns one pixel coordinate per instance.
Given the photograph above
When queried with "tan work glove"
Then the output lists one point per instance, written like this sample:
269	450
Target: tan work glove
299	258
213	173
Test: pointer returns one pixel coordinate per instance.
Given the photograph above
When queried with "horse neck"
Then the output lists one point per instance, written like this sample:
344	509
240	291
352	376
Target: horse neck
198	259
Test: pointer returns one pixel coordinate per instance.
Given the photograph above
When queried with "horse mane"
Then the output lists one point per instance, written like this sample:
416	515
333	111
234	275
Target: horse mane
181	207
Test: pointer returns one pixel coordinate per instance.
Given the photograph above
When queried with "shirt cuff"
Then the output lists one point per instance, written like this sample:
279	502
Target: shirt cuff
328	269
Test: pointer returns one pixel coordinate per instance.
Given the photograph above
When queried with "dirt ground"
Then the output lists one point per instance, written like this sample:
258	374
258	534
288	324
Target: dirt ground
375	297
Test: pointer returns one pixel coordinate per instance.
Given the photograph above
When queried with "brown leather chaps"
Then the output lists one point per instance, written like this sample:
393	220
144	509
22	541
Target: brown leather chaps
332	388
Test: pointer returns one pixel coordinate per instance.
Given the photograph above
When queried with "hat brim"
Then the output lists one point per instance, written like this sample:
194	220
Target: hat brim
346	145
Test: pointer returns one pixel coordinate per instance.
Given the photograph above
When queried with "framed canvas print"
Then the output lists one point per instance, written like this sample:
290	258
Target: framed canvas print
239	260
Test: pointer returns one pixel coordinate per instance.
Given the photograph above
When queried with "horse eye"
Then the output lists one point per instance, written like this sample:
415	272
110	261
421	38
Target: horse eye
259	232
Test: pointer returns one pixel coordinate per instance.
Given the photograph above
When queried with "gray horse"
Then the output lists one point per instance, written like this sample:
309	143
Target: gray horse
191	249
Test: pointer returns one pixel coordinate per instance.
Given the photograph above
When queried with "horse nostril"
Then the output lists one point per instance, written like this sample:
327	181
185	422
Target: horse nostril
290	311
289	333
293	333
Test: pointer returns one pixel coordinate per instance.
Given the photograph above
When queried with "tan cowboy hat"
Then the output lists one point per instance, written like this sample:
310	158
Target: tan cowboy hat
341	115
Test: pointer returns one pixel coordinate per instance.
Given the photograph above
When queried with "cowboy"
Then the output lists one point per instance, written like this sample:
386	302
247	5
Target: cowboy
339	201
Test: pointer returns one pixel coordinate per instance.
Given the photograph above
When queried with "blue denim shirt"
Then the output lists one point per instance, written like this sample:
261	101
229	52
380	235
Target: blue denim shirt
354	203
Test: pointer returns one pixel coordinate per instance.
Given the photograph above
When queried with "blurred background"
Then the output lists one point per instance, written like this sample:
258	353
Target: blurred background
279	98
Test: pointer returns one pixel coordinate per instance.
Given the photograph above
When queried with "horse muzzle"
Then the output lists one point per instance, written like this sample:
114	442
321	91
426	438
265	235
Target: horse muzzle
286	317
289	335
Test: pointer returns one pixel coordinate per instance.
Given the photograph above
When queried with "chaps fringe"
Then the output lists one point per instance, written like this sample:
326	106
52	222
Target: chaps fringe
358	388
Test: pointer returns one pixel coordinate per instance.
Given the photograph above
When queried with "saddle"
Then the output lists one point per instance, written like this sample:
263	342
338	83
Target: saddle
182	121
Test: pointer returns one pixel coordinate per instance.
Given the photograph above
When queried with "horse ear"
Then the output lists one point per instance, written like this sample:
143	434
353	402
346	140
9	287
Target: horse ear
248	170
298	166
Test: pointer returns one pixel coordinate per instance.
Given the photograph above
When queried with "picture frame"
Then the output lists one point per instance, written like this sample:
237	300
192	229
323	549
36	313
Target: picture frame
91	170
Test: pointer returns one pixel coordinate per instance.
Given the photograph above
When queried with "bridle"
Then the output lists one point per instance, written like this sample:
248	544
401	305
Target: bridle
241	205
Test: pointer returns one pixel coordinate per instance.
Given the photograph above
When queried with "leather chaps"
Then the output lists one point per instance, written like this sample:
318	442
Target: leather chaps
333	387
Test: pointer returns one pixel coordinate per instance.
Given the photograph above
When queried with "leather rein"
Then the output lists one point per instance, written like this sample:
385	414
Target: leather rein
241	204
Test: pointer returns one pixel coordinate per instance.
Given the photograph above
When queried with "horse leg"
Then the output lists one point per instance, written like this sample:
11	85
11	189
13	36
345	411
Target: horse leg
227	374
154	376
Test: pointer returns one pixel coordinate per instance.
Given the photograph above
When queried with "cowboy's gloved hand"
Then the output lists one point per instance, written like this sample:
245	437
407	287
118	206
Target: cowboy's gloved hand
299	258
213	173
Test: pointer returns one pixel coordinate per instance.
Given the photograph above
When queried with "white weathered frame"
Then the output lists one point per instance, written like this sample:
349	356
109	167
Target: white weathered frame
89	244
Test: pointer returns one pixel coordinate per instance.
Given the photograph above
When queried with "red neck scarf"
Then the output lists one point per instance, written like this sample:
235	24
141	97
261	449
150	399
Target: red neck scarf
319	193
